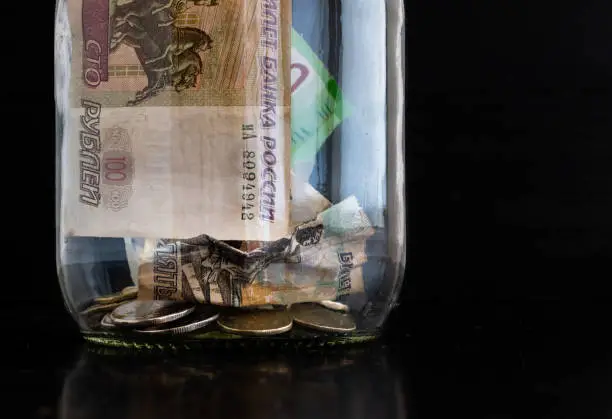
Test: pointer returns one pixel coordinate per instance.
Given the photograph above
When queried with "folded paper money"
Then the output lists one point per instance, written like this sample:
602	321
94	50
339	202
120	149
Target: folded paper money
314	263
319	105
306	204
178	119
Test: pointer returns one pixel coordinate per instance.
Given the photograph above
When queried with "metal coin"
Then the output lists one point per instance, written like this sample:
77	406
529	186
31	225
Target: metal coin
128	293
131	291
112	299
150	313
203	316
334	305
108	299
100	308
316	317
256	322
107	322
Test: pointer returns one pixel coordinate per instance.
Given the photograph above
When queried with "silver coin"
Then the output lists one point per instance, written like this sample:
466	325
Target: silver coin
256	322
200	318
150	313
334	305
107	322
316	317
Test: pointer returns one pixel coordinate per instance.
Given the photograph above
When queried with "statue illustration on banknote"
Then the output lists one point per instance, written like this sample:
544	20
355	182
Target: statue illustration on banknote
208	263
215	262
314	263
169	54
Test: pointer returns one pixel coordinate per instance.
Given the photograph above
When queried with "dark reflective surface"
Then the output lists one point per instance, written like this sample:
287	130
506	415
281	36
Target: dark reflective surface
344	384
516	363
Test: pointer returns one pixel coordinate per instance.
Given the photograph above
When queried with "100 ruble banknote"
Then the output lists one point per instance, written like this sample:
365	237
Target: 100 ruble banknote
175	127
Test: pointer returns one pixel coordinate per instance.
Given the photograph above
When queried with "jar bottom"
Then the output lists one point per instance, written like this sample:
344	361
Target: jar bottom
305	325
293	339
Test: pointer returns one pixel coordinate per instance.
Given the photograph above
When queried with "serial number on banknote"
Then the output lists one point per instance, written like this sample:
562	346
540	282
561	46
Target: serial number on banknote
249	175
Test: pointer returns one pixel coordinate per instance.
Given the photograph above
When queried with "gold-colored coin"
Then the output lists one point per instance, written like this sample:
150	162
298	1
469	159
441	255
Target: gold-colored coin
314	316
100	308
128	293
131	291
334	305
108	299
256	322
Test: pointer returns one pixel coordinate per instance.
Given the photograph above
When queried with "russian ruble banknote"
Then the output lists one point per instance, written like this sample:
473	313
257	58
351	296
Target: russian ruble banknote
318	261
309	273
177	119
306	204
317	108
322	285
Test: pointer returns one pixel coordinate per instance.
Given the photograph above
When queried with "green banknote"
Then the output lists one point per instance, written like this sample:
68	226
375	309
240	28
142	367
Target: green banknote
317	103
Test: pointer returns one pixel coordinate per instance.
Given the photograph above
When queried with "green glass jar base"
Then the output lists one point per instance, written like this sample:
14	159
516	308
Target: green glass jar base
218	339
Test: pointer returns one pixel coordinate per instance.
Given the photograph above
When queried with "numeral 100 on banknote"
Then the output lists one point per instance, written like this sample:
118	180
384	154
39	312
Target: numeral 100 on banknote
178	128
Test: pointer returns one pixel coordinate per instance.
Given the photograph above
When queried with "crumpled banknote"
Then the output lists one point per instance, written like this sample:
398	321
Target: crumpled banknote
318	261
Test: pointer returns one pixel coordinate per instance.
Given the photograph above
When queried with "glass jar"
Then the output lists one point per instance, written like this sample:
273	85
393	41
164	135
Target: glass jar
230	171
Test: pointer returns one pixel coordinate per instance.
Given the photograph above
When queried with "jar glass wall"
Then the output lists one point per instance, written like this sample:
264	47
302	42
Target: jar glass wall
230	171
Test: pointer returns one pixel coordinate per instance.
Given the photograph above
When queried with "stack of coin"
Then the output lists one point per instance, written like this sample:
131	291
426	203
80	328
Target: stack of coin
142	314
106	304
179	318
128	293
201	317
160	317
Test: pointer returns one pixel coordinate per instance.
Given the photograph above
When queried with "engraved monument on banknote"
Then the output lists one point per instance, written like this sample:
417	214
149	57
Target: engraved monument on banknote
179	119
169	55
321	260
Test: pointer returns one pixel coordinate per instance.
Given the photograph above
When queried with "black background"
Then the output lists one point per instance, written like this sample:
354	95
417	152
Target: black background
509	140
505	310
509	144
